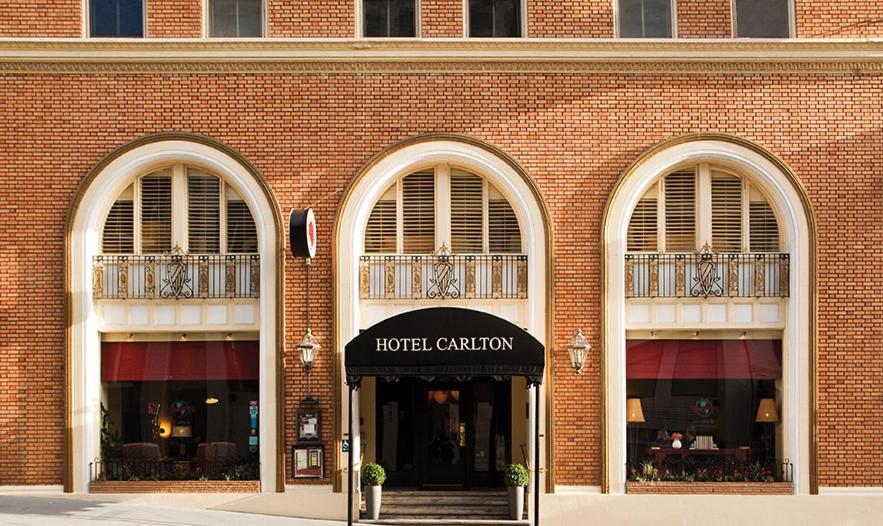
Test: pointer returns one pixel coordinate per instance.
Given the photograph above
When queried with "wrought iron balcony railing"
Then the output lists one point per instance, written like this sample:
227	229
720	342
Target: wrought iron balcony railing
176	276
707	274
443	276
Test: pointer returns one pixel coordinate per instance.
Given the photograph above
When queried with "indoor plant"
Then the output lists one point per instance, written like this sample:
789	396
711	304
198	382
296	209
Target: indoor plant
516	478
373	477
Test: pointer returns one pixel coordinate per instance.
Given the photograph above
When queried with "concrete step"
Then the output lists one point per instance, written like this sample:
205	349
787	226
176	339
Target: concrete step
455	508
445	522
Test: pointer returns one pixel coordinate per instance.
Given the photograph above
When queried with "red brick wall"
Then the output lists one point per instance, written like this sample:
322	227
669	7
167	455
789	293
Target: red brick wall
441	18
574	133
839	18
174	18
704	18
41	18
311	19
570	19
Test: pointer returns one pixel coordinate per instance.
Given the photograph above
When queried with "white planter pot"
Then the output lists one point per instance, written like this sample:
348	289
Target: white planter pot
372	501
516	501
676	444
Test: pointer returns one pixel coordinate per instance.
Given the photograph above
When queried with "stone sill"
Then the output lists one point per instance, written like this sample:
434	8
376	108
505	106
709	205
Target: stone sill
709	488
175	486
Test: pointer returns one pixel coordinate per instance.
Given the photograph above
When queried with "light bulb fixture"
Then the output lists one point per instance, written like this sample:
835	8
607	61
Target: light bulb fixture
211	400
229	336
309	348
131	336
695	334
183	336
578	348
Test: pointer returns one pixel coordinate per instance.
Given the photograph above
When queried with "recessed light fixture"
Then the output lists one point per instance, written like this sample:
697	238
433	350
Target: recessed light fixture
183	336
211	400
229	336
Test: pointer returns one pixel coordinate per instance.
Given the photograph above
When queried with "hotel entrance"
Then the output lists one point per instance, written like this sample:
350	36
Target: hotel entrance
444	435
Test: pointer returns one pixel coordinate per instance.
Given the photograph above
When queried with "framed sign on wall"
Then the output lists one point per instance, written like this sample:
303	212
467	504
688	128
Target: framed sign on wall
307	461
308	425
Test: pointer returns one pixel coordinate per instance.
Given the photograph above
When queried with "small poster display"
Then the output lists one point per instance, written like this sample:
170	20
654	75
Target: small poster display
307	462
308	426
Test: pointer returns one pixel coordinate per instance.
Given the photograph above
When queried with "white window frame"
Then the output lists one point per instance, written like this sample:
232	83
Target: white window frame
207	23
442	172
792	22
87	21
360	21
674	21
703	234
523	21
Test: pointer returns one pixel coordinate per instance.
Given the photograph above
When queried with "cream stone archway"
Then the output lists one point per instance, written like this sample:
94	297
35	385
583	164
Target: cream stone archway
84	223
792	206
367	187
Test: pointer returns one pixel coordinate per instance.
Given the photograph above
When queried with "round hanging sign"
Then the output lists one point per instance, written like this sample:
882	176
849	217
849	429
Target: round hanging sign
302	232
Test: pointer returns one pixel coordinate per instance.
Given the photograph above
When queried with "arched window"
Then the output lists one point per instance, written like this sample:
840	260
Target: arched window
442	205
179	206
704	205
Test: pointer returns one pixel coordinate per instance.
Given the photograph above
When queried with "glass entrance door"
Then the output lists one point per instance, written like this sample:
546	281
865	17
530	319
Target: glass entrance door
445	438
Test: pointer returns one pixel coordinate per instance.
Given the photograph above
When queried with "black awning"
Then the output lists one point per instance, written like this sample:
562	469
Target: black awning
444	342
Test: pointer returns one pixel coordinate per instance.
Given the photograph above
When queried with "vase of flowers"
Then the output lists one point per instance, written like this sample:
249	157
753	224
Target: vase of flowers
676	440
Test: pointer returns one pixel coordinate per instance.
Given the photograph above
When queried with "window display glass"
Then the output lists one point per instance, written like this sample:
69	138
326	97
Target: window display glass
179	410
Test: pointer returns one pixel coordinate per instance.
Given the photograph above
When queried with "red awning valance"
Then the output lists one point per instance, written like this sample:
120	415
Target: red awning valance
174	361
704	359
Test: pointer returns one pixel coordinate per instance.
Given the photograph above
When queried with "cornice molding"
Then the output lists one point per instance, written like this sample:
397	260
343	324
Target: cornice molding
439	55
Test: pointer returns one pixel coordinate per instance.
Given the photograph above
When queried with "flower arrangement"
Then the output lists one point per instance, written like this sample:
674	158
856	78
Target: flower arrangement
676	436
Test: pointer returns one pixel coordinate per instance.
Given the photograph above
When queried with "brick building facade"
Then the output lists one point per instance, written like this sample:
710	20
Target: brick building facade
575	116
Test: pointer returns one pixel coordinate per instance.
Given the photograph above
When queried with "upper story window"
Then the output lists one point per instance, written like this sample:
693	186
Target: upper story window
183	207
495	18
389	18
762	18
116	18
442	205
703	205
645	18
236	18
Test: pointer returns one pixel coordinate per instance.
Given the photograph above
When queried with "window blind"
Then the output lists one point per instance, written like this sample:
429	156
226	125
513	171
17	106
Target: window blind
118	236
156	213
418	212
504	236
467	215
242	236
680	211
763	229
203	213
380	234
726	213
644	227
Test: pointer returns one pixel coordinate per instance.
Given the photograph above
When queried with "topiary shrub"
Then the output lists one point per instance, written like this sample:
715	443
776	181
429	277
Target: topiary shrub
373	475
516	475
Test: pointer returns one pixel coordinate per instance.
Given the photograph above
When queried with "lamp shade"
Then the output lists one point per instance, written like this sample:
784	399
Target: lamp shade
634	412
766	411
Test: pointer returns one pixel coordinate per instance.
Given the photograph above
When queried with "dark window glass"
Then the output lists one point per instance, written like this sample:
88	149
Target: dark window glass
117	18
762	18
494	18
390	18
645	18
236	18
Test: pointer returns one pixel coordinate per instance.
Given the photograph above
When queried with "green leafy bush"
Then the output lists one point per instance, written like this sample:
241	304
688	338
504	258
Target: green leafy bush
516	475
373	475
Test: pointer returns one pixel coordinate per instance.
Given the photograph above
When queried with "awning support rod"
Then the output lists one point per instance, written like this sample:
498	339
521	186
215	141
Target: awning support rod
536	455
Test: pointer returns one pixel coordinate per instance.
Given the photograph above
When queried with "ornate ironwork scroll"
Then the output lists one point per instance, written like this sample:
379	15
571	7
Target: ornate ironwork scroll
203	276
443	283
364	278
629	276
255	262
733	275
496	277
707	281
123	277
470	277
522	276
759	274
680	273
150	276
177	283
98	278
653	286
230	278
390	277
784	275
417	277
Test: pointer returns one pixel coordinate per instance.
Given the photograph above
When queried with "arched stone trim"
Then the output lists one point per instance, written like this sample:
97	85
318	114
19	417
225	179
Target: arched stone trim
793	208
512	181
85	218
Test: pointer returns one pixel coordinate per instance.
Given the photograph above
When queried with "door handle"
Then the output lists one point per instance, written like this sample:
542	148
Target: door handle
462	433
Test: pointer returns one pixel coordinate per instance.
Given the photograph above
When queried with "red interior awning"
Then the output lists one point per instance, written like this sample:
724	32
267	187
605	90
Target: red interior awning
704	359
179	361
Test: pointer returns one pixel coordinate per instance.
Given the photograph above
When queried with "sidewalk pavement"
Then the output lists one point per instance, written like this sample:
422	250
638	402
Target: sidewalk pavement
21	510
